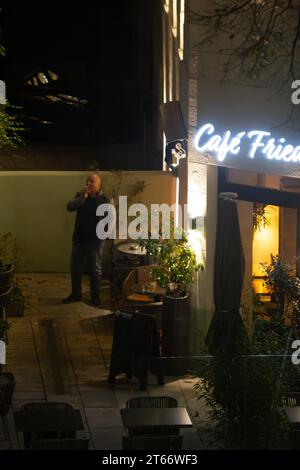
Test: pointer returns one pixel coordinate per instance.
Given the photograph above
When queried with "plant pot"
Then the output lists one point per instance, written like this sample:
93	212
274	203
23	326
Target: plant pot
4	296
15	308
175	334
6	274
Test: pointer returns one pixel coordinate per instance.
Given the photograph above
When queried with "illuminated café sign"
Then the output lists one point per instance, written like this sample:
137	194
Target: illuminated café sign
257	142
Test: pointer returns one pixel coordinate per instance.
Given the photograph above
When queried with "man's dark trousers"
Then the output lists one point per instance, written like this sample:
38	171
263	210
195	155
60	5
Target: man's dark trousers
92	252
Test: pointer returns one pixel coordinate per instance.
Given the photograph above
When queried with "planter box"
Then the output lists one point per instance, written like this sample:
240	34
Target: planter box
5	276
175	334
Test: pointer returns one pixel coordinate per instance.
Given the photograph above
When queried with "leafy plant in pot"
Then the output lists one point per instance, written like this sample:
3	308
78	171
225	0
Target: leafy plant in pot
4	326
244	392
13	262
17	300
6	267
177	266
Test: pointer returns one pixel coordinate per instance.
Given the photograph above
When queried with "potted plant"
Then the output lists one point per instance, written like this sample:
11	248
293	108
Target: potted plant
6	267
177	265
16	302
244	392
4	326
13	262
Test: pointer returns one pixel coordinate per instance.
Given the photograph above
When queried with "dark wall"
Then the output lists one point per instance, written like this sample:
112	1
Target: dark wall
103	57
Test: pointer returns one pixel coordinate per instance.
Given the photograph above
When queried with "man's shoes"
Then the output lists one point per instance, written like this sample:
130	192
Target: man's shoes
72	298
96	302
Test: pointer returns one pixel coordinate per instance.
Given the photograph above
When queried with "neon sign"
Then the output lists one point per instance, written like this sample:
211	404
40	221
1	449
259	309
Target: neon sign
206	140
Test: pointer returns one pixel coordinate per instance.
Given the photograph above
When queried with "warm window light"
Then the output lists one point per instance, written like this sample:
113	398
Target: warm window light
42	78
165	42
167	5
174	26
181	29
53	75
265	242
170	69
197	242
197	205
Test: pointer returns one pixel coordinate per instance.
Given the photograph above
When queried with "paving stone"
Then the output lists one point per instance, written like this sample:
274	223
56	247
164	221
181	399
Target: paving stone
29	386
104	417
85	352
83	341
28	395
107	438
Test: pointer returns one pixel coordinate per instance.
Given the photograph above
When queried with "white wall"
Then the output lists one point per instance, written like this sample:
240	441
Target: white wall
33	207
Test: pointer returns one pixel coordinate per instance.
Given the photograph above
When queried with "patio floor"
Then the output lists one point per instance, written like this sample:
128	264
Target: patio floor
62	352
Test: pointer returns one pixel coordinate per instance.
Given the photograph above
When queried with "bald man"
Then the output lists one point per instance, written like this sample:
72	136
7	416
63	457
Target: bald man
86	244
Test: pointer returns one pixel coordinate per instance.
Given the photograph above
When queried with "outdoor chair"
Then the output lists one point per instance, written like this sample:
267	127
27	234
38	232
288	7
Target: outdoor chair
167	442
7	387
60	444
121	265
291	399
46	407
295	439
140	275
153	402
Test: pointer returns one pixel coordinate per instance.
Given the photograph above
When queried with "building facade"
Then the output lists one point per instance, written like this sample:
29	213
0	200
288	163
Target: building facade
261	165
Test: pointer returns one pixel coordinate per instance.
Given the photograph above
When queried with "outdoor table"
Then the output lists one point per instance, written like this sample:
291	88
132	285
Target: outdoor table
147	288
293	414
131	248
155	417
39	421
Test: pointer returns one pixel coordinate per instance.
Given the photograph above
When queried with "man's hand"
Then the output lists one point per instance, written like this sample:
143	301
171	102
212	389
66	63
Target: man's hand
85	192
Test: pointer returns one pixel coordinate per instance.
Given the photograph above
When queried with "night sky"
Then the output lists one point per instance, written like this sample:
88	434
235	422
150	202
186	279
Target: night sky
87	54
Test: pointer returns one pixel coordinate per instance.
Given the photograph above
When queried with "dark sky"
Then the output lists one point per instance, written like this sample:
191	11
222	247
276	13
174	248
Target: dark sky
92	50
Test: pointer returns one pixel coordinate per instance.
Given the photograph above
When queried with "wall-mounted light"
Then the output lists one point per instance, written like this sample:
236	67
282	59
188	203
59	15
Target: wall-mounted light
197	223
175	150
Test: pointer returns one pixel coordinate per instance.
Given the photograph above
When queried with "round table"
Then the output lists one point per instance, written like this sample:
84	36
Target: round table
147	288
131	248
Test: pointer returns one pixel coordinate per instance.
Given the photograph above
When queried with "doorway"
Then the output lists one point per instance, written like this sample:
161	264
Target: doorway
269	214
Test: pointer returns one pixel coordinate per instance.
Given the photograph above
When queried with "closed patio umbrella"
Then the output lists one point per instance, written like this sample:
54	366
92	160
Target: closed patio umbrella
226	331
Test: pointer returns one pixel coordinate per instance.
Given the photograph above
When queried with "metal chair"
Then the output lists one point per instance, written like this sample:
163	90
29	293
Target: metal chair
46	406
122	265
49	407
167	442
60	444
291	399
7	387
142	302
140	275
295	439
153	402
